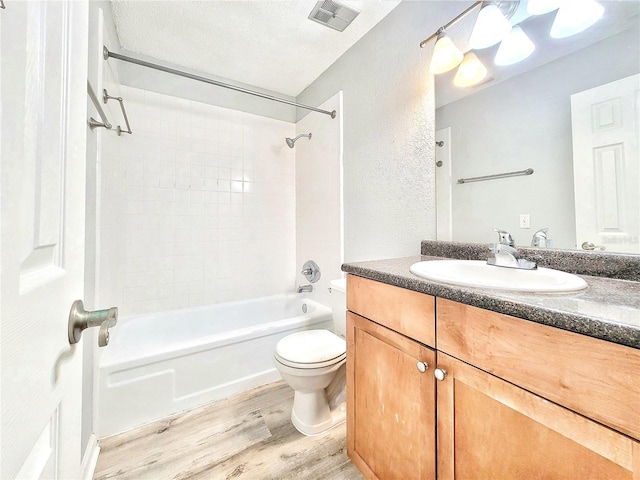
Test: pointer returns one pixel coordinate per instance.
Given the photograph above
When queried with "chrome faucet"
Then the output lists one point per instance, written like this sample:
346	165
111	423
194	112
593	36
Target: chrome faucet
505	253
540	238
305	288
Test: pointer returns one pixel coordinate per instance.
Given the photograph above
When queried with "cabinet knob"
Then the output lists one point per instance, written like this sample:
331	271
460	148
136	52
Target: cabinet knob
422	366
439	373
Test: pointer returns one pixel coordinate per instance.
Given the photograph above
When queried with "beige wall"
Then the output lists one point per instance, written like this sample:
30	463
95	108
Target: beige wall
388	117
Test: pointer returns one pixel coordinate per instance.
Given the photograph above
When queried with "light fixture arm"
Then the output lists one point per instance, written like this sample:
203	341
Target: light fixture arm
451	22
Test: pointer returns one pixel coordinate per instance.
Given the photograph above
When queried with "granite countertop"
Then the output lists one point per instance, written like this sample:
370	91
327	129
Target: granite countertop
609	309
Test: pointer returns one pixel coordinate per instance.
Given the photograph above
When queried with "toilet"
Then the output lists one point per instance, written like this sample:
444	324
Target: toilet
313	363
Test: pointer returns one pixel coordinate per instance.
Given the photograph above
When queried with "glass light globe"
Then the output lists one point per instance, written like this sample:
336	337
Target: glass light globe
446	56
490	28
515	48
470	72
574	16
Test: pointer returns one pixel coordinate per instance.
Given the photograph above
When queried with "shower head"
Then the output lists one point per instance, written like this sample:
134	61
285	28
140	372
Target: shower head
291	141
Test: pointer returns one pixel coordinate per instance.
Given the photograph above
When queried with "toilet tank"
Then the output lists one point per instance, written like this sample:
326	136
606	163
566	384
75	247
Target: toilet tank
339	305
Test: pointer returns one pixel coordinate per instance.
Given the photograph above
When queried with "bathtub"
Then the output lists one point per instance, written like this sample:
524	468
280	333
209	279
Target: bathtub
160	364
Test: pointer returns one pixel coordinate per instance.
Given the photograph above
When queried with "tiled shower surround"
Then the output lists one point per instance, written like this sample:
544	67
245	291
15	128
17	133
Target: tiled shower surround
196	207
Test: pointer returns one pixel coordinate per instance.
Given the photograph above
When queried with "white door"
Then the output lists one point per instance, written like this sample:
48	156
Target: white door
606	165
43	108
443	184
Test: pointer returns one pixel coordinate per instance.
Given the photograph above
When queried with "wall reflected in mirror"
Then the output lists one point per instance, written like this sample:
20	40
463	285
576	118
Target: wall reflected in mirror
525	116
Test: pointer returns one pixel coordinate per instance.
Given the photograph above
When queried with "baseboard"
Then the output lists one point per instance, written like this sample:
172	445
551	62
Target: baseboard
90	458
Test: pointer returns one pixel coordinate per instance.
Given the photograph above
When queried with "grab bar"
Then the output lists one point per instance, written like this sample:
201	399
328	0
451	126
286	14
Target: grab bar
519	173
106	97
93	123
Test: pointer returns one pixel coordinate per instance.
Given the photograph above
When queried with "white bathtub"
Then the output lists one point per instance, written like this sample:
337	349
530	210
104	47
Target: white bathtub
159	364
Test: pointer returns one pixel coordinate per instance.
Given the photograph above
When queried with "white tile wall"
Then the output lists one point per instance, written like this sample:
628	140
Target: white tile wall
204	207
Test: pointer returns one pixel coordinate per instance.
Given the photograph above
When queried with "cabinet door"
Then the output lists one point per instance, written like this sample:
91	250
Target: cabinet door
390	403
489	428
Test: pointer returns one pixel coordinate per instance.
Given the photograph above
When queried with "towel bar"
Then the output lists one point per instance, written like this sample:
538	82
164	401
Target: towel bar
106	97
528	171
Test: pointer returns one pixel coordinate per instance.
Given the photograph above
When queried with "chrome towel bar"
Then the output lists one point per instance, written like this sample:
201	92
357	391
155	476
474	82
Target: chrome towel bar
519	173
105	98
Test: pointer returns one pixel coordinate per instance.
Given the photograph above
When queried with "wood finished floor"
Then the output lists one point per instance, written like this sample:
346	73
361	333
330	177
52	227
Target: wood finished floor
249	436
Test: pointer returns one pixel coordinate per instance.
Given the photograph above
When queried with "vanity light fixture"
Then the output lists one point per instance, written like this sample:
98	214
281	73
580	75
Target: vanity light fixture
446	56
540	7
470	72
514	48
574	16
491	27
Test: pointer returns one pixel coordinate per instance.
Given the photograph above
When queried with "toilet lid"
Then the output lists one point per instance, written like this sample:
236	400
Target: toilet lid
311	346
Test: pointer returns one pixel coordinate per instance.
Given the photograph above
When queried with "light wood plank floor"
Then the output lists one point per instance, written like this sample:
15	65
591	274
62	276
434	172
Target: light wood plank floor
249	436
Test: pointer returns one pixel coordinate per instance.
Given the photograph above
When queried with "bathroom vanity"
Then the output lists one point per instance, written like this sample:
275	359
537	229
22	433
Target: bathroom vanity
454	382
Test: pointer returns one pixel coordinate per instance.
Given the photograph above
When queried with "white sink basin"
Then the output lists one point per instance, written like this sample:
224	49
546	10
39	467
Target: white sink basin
475	273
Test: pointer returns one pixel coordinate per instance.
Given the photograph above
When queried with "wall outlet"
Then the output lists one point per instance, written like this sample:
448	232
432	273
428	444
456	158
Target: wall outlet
525	220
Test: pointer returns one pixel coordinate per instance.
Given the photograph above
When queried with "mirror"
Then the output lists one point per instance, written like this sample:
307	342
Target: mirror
520	118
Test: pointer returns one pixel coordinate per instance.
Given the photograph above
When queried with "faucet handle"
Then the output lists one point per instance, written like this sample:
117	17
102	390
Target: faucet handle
311	271
505	237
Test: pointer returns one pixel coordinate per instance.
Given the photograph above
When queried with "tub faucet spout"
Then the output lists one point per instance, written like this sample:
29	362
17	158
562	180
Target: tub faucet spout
305	288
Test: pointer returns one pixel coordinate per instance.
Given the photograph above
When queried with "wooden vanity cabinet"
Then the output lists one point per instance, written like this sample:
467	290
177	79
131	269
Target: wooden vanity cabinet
391	419
517	399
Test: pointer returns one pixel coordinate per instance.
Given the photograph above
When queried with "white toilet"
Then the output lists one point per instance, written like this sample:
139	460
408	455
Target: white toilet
313	363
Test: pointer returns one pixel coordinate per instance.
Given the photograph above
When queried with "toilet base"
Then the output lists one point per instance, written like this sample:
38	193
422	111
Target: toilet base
319	401
317	418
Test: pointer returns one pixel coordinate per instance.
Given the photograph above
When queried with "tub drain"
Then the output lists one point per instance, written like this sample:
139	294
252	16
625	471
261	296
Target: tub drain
304	308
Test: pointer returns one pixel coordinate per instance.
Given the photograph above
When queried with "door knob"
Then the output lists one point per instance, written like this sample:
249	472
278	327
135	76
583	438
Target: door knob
81	319
591	246
422	366
439	373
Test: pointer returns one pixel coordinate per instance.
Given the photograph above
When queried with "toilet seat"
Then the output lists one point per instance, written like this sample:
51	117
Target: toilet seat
310	366
311	349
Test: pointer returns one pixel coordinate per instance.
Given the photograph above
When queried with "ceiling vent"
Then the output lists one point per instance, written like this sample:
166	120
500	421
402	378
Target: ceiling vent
333	14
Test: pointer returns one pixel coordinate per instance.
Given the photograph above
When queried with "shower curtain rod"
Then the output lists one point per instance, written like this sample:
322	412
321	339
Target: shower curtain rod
124	58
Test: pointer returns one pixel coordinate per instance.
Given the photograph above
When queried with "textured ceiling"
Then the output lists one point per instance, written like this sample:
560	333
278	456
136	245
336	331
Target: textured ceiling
268	44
